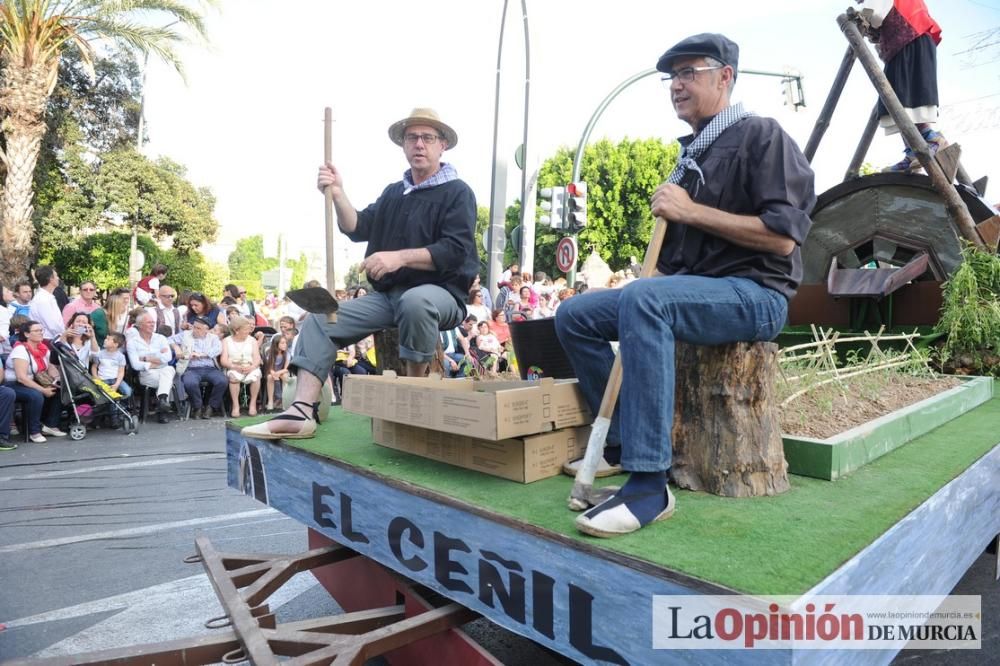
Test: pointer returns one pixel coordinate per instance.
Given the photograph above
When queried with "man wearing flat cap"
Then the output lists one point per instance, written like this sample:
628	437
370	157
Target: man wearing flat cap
421	260
737	206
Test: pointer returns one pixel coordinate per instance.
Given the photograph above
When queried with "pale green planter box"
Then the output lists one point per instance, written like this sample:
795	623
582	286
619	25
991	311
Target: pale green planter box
839	455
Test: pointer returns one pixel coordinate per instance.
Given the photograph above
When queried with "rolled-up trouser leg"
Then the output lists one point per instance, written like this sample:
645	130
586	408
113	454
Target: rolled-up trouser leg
318	340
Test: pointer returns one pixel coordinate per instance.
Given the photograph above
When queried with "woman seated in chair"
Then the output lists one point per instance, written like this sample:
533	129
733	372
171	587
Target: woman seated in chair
499	327
81	337
30	373
488	350
241	361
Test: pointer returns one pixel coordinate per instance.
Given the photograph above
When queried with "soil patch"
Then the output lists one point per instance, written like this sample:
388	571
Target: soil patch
831	409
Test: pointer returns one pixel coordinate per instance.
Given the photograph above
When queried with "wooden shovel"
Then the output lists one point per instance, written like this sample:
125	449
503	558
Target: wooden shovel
583	495
331	315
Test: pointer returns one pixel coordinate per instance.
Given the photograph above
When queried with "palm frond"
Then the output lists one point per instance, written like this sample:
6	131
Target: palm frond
180	11
137	38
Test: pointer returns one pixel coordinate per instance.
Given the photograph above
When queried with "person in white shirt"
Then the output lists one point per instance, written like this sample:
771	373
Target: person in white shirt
149	353
44	308
33	378
164	310
474	305
109	364
197	352
241	360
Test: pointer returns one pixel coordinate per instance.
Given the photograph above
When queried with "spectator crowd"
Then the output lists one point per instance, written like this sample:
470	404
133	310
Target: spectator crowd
196	356
182	353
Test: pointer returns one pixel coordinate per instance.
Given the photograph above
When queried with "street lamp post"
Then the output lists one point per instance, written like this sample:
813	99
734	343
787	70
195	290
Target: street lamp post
134	243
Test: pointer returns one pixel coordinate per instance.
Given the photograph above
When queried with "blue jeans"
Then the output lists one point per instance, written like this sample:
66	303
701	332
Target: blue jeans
7	399
647	316
418	312
459	358
38	407
123	388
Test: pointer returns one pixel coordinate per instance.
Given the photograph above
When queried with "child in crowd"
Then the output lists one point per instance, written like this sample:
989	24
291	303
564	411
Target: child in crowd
108	365
365	354
276	371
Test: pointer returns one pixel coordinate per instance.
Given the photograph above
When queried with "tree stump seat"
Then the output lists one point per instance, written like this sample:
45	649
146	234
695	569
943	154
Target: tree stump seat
387	354
727	425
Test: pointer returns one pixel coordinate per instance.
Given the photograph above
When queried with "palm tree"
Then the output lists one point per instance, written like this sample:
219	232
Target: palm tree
33	36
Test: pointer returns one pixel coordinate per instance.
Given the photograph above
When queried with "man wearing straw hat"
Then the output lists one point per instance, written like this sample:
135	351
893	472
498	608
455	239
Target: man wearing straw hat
421	260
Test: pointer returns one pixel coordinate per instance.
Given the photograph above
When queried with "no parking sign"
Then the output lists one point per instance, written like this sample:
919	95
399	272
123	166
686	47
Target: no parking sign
566	254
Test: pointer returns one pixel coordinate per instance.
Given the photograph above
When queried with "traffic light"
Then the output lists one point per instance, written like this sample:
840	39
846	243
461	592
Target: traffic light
553	203
576	205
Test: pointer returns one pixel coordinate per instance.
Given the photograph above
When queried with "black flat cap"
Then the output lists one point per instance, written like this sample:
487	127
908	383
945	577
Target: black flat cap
707	44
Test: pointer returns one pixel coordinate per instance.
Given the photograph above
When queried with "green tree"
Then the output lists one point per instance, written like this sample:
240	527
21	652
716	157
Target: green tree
156	197
482	224
191	270
247	262
620	181
126	187
103	258
299	268
33	36
216	277
355	276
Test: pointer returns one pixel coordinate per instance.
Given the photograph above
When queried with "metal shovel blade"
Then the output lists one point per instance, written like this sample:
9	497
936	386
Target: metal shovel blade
314	299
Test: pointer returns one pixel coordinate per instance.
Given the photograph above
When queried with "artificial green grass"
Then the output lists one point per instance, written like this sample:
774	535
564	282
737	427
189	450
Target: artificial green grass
766	545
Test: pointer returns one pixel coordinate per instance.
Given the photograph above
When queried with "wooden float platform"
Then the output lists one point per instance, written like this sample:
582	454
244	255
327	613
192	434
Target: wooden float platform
911	522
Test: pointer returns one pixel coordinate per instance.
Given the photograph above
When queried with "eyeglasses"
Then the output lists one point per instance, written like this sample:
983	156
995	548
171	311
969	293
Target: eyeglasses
88	289
685	74
428	139
36	330
168	295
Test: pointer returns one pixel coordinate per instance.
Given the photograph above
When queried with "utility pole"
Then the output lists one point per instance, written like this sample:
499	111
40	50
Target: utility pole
134	242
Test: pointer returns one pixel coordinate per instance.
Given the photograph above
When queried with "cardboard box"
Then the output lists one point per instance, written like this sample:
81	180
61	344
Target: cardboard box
481	409
523	459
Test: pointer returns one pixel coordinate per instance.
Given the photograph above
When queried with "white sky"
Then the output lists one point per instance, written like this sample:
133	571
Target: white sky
249	122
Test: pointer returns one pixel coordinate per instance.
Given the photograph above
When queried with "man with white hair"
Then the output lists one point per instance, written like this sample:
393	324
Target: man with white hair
738	205
149	354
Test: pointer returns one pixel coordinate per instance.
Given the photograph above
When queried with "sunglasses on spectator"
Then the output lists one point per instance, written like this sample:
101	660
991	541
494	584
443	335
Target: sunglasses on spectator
88	289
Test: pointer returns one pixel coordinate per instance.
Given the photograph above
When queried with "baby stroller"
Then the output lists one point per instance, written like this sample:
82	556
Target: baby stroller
86	397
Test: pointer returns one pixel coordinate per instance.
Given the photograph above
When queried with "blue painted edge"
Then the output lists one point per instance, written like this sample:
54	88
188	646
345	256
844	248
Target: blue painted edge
591	605
557	591
929	550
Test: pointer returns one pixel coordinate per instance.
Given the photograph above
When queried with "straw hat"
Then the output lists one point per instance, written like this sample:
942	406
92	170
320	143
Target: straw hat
422	116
